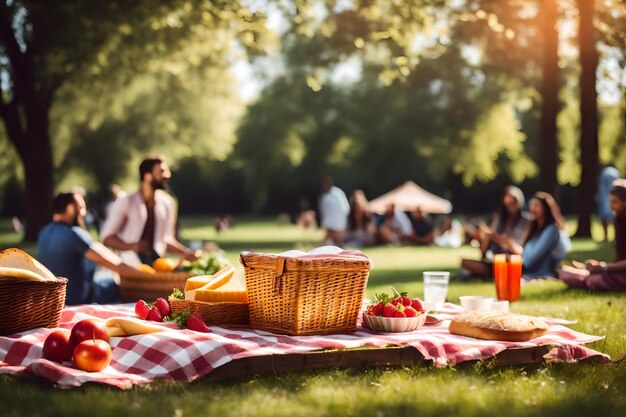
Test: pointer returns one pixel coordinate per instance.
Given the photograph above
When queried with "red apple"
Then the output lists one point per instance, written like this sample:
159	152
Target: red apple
57	346
92	355
88	330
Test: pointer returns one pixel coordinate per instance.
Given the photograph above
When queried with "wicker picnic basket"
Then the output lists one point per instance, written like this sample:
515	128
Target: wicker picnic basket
214	314
307	294
149	288
26	305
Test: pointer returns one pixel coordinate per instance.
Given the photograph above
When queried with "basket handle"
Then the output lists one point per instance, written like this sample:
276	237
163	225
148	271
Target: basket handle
278	279
242	256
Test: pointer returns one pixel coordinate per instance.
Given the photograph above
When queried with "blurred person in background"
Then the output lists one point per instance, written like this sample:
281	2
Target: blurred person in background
605	184
361	225
422	226
451	234
598	275
334	209
506	231
395	227
546	242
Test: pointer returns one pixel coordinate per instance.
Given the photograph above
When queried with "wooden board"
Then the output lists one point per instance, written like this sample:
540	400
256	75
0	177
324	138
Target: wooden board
394	356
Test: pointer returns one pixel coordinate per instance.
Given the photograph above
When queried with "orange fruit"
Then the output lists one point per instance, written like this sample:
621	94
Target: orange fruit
146	268
164	264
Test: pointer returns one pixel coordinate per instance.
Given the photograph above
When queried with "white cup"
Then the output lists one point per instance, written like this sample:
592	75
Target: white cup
476	302
500	306
435	289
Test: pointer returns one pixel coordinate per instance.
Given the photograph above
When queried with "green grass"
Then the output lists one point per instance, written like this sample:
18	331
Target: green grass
480	390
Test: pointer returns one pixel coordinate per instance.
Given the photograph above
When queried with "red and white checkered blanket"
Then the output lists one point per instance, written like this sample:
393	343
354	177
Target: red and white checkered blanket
185	355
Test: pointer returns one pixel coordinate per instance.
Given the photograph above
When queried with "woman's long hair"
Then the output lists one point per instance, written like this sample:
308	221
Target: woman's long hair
358	197
551	214
503	213
352	215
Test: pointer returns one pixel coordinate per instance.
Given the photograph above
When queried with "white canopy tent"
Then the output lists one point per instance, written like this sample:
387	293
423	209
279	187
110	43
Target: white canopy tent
407	197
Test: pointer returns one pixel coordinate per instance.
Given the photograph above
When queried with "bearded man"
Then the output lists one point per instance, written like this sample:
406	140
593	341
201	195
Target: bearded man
142	225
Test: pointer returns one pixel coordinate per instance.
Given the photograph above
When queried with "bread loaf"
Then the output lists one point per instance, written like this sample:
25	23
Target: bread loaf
14	258
497	325
10	273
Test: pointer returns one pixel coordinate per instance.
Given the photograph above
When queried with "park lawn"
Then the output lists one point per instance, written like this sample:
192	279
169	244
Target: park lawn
479	390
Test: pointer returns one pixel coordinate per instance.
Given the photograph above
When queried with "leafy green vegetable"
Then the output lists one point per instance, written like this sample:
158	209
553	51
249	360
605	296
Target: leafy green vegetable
207	264
178	294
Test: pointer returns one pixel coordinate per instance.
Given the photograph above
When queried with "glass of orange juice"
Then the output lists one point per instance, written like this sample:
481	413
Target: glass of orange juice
500	276
514	277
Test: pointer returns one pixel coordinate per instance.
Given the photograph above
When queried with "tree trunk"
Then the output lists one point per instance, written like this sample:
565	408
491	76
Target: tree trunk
550	93
24	110
588	117
38	170
34	149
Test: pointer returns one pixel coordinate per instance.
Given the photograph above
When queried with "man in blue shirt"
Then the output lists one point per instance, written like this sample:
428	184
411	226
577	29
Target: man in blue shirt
66	248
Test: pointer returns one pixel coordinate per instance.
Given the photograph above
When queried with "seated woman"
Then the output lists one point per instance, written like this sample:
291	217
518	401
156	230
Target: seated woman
604	276
507	230
361	229
546	242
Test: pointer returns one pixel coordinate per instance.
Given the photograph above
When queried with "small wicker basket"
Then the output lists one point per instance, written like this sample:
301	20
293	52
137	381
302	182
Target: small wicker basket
307	294
26	305
214	314
149	288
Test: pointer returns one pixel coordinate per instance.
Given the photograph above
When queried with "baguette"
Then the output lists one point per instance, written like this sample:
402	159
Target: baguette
497	325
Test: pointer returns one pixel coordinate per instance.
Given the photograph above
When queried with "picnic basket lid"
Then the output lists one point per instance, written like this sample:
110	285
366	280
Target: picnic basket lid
326	257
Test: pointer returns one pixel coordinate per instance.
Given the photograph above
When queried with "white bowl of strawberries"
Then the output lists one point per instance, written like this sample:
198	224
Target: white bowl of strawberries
394	314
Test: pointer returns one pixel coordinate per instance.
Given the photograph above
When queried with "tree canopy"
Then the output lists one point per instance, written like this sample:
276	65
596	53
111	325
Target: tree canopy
443	92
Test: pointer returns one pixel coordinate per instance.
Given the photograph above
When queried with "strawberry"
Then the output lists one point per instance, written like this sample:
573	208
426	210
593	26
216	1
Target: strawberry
389	310
406	301
410	312
417	305
155	314
163	306
195	322
377	310
142	309
399	313
396	301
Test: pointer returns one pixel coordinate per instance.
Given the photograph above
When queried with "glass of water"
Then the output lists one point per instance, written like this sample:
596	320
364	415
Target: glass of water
435	289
